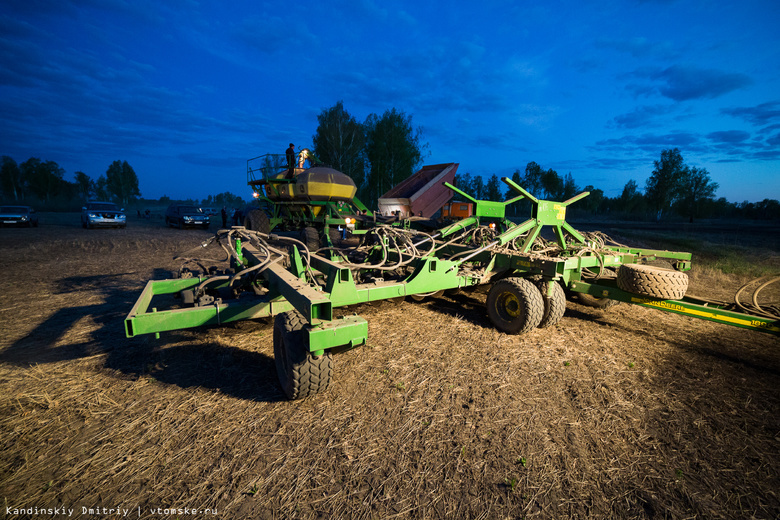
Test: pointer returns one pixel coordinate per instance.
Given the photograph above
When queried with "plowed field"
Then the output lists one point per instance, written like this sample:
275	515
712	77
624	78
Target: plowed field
624	413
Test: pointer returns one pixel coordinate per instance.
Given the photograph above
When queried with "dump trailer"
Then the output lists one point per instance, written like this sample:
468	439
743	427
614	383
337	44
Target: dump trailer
421	195
529	279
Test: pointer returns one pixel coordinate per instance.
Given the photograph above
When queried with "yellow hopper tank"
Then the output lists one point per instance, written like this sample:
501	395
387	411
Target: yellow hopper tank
324	185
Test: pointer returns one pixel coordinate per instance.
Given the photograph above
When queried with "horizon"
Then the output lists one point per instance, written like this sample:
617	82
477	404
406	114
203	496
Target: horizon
186	93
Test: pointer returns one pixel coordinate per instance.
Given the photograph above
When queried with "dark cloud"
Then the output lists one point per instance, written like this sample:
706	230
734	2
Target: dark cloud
729	137
683	83
774	141
643	116
651	142
763	114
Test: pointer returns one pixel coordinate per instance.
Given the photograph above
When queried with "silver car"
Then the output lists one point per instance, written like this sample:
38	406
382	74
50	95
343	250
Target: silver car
102	214
18	216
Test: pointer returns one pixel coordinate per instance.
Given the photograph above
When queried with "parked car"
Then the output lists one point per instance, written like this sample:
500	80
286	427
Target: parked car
209	211
184	215
102	214
18	216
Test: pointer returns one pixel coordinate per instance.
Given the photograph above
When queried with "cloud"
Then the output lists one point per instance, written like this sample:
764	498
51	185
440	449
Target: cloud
763	114
683	83
774	141
638	47
729	137
643	116
650	142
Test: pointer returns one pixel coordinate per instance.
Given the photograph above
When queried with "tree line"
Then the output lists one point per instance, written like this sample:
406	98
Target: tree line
382	151
44	182
672	188
377	153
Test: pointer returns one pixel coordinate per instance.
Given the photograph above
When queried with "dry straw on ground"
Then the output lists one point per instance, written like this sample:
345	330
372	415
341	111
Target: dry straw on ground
628	413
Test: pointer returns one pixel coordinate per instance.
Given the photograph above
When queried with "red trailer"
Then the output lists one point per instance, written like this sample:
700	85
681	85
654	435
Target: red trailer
422	194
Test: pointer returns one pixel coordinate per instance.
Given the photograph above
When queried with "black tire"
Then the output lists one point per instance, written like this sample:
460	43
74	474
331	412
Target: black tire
515	305
257	220
554	306
300	373
311	238
652	281
597	303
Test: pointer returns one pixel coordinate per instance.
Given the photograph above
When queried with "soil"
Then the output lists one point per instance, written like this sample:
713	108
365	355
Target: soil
625	413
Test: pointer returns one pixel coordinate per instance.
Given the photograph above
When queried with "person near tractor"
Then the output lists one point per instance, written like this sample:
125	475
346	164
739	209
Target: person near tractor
290	160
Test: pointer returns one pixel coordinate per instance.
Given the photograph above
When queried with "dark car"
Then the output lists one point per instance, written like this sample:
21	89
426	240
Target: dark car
186	215
18	216
103	214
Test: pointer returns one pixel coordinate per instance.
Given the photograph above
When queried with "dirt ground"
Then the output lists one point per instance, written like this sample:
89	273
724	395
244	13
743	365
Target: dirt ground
625	413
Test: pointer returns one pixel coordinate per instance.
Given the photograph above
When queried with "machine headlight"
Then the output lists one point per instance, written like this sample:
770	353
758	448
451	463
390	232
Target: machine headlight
24	217
92	215
122	217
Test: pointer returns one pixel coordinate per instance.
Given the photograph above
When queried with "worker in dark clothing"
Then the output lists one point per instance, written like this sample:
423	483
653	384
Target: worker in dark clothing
224	217
291	161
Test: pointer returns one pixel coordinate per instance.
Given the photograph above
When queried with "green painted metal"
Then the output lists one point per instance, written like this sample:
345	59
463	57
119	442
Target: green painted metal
349	332
315	285
687	306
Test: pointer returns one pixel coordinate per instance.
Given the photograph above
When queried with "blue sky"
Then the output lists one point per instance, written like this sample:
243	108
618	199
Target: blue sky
187	91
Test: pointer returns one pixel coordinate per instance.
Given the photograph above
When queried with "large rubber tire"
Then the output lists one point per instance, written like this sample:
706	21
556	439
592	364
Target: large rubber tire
515	305
595	302
554	307
300	373
311	237
652	281
257	220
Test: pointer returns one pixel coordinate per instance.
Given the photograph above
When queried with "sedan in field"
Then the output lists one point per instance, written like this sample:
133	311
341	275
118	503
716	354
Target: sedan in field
18	216
184	215
102	214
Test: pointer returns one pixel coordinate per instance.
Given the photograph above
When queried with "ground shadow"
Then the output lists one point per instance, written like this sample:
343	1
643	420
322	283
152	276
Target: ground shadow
462	305
186	363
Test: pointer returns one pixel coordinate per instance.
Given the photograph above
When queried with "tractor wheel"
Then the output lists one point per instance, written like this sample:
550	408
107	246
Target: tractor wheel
595	302
311	238
257	220
653	281
301	374
515	305
554	306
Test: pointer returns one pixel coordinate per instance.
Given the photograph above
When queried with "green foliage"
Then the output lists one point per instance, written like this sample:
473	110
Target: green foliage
122	182
225	199
696	187
570	188
665	184
340	142
393	150
494	188
11	181
44	179
101	188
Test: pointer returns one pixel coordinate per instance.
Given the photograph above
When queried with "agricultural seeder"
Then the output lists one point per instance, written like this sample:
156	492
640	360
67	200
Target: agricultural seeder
275	274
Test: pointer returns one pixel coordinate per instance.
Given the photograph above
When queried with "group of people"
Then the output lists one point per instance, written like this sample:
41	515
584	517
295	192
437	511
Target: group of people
235	216
302	156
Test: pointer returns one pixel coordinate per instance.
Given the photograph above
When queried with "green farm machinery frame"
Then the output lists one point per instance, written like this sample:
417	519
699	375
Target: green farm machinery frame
529	277
325	219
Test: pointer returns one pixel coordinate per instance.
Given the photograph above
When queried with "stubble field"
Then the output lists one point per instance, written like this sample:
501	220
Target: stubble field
625	413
